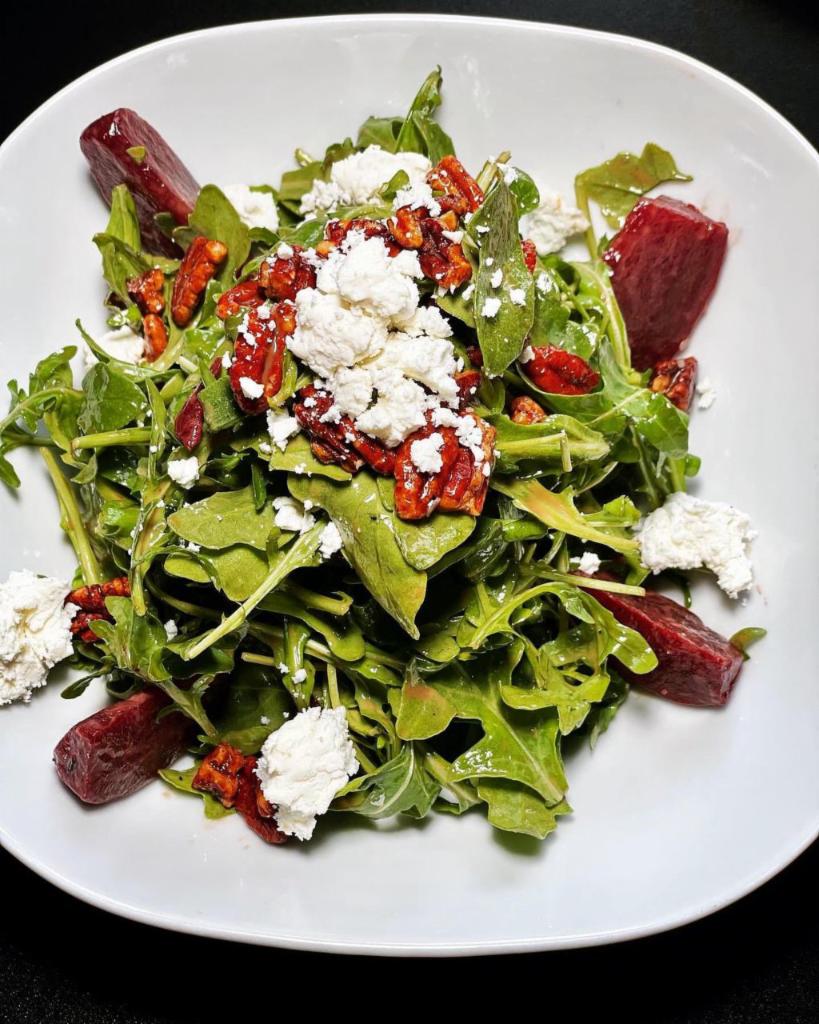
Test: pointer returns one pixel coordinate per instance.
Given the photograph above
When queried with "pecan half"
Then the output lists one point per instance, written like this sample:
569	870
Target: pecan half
529	254
259	356
405	226
257	813
461	193
198	266
156	336
559	372
81	626
675	378
148	291
282	277
468	482
91	603
526	410
219	774
245	294
442	259
337	439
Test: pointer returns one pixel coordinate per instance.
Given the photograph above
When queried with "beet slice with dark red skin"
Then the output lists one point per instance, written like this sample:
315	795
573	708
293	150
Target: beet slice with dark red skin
119	749
159	182
696	666
665	262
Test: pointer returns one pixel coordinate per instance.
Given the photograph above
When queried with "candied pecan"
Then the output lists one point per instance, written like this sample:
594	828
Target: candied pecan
442	259
235	299
198	266
418	494
81	625
156	336
282	277
148	291
92	598
468	382
560	372
461	193
337	231
529	254
675	378
475	355
468	481
405	226
526	410
258	814
339	442
190	421
258	358
219	774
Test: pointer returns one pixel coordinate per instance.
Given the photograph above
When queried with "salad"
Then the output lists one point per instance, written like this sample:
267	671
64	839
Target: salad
367	477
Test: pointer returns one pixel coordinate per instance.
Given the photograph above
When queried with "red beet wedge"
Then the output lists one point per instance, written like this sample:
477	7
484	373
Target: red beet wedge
696	665
157	178
665	261
120	749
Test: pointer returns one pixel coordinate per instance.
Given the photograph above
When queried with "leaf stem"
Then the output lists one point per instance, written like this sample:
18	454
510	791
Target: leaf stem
74	525
113	438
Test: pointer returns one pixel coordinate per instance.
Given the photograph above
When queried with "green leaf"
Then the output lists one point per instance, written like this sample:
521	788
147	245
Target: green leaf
369	543
420	133
617	184
236	571
401	786
425	542
538	447
123	222
136	642
112	400
743	639
380	131
502	335
523	188
183	781
423	711
298	458
343	637
254	693
215	217
224	519
516	808
218	405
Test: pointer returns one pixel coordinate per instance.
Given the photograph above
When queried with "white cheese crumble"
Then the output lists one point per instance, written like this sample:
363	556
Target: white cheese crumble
184	472
689	533
527	354
553	223
588	562
331	335
329	540
470	436
416	196
362	273
517	296
496	280
426	453
35	632
291	515
171	629
227	362
357	179
302	766
251	388
490	307
281	427
706	393
255	209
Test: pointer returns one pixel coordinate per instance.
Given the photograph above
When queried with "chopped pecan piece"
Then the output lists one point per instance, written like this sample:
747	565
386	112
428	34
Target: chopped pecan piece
258	814
219	774
675	378
156	336
468	382
526	410
405	226
259	357
337	439
337	231
245	294
282	277
468	481
91	603
148	291
559	372
461	193
442	259
198	266
529	254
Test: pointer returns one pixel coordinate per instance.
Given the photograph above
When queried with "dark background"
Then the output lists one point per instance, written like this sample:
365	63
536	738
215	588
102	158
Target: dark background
62	962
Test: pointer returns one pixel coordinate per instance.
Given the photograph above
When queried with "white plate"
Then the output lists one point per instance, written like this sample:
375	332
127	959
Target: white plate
677	812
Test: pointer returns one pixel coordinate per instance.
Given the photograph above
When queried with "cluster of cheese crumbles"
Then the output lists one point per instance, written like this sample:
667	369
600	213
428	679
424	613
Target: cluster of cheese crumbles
35	632
357	179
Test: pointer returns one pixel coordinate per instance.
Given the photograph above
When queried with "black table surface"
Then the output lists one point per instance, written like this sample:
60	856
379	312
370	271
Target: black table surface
64	962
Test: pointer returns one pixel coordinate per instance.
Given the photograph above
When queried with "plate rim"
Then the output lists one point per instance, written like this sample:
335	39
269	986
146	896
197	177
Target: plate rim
186	925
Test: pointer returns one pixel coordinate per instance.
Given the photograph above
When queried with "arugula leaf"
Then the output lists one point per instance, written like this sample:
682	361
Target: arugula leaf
423	711
183	782
401	786
380	131
513	807
342	636
236	571
253	694
420	132
298	458
224	519
215	217
369	543
618	183
743	639
111	400
425	542
527	448
123	222
523	188
502	335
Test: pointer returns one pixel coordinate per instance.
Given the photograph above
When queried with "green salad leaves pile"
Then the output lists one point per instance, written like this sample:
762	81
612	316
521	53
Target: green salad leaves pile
464	649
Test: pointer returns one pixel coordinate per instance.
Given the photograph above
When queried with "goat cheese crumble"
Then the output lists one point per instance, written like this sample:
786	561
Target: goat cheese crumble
291	515
303	764
426	453
184	472
588	562
281	427
357	179
255	209
251	388
35	632
706	393
690	533
329	540
553	223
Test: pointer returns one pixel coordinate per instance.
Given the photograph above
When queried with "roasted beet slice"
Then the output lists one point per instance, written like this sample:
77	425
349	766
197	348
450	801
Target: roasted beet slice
665	261
158	180
696	665
116	751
